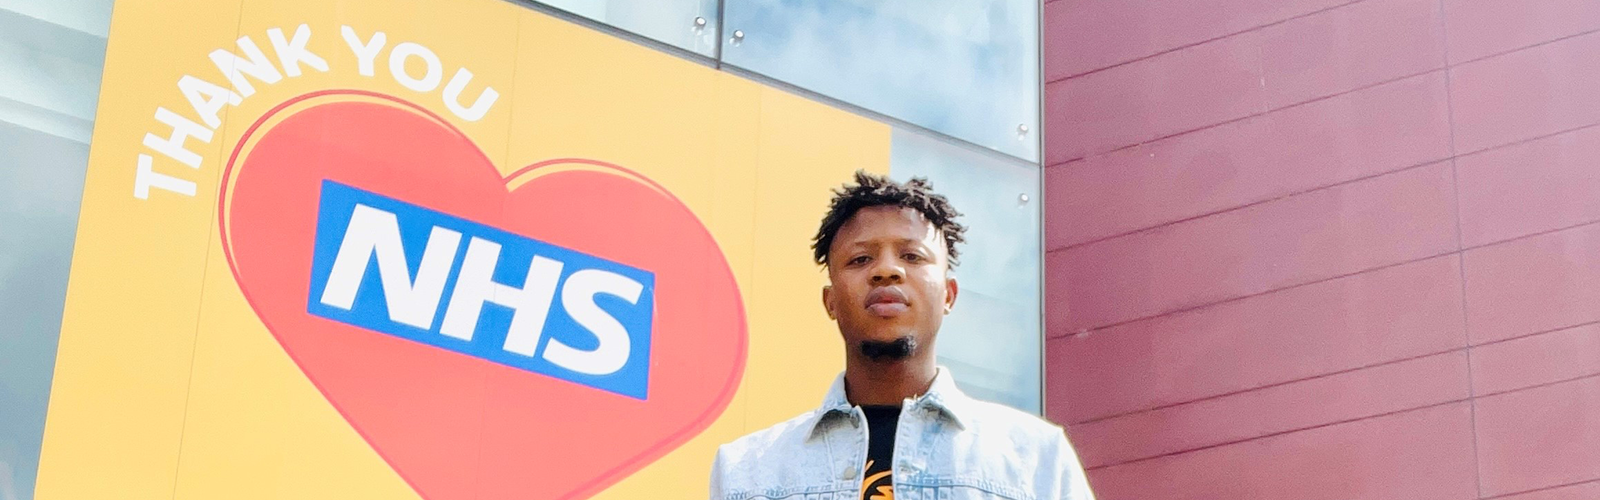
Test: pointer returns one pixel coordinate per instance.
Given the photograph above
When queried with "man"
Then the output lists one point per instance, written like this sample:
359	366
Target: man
894	425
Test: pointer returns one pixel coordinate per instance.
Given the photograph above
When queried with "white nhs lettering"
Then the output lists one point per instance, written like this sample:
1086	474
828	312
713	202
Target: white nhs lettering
374	234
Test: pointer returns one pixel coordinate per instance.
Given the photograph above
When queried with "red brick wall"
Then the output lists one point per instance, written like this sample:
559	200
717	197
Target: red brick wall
1325	249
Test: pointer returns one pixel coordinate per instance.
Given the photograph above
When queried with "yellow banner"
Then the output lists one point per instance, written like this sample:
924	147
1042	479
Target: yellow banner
429	249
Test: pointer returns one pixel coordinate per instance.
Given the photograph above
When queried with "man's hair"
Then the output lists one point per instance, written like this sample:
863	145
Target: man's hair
874	190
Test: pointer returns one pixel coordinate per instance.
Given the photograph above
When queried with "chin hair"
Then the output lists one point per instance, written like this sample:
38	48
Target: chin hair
895	350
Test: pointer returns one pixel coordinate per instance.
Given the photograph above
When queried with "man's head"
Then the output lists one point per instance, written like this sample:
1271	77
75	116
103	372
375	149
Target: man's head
888	247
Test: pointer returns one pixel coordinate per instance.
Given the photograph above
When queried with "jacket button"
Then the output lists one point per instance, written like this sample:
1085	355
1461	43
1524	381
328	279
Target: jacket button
849	472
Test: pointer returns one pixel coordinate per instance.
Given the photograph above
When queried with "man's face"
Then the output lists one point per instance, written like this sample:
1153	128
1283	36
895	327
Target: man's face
889	272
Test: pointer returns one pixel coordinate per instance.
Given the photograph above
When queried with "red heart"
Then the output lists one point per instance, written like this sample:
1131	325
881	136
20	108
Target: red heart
452	425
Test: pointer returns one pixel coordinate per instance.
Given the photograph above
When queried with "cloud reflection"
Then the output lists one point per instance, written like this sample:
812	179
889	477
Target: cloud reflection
967	68
669	21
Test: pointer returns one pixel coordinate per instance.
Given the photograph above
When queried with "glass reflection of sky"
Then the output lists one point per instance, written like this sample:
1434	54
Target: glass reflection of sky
991	340
967	68
41	184
51	53
669	21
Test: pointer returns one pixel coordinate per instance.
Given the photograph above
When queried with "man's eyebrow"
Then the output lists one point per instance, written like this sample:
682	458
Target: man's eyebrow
896	241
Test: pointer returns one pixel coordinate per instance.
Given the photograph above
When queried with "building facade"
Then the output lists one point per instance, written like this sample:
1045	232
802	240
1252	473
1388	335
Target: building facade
1309	249
1325	249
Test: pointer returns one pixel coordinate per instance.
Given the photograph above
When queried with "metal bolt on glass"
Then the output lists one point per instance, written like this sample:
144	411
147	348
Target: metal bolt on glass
1022	132
738	37
1022	199
699	23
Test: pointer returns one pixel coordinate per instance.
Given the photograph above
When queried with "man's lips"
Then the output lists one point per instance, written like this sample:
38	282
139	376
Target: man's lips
886	301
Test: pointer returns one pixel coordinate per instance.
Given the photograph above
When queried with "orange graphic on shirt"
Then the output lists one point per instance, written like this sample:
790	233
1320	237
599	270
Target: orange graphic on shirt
884	491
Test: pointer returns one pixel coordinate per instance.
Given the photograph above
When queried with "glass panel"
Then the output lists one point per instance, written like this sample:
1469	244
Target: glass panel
687	24
51	53
967	68
991	340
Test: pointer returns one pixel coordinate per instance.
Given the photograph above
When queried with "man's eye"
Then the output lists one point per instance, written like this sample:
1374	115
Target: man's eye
911	257
859	260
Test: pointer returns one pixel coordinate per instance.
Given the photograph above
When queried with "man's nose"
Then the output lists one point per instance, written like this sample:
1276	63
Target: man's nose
887	271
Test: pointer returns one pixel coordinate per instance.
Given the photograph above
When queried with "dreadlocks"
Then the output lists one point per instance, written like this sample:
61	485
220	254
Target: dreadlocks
874	190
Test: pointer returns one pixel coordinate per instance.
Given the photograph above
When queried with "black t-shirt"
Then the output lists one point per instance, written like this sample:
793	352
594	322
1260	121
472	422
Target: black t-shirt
877	483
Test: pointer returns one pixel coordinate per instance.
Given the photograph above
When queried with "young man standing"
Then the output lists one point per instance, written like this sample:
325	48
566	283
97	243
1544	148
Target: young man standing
894	425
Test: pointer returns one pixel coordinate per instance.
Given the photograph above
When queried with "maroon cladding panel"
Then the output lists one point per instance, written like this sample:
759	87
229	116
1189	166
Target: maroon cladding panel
1153	98
1480	28
1318	55
1539	359
1539	437
1087	35
1530	187
1376	222
1581	491
1319	401
1423	454
1526	94
1350	47
1367	319
1534	284
1325	249
1355	135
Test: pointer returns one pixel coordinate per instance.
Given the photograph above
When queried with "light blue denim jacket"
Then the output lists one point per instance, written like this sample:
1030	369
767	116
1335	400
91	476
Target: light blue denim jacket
948	446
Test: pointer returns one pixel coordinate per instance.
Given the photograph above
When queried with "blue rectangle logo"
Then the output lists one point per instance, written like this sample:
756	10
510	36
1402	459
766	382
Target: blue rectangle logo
426	276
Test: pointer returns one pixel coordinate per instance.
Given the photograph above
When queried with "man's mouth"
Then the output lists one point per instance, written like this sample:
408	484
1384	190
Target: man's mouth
886	302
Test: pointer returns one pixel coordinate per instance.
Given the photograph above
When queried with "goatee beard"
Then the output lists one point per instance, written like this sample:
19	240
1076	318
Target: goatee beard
895	350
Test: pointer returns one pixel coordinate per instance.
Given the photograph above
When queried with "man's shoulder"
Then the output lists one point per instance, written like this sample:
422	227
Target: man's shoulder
1025	441
1001	420
783	435
775	462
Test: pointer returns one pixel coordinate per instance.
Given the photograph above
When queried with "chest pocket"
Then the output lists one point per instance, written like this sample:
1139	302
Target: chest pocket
837	495
959	490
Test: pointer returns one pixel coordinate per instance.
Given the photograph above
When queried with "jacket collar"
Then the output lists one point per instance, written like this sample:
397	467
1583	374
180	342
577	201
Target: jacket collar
943	396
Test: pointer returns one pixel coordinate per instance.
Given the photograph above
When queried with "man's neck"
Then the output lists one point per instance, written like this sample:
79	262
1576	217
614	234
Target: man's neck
887	383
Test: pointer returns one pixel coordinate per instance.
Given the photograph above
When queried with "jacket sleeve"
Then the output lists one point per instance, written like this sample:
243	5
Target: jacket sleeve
1074	483
718	467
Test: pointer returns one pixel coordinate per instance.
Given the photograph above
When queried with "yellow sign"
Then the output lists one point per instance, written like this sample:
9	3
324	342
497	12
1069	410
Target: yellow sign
428	249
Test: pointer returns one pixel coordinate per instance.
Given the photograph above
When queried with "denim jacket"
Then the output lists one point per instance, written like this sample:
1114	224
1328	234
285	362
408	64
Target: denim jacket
948	446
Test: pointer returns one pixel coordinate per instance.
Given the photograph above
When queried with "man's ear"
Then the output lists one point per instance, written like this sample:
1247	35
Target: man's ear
827	300
951	289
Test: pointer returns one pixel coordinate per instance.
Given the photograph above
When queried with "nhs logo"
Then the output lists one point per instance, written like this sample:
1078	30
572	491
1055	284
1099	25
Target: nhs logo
425	276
